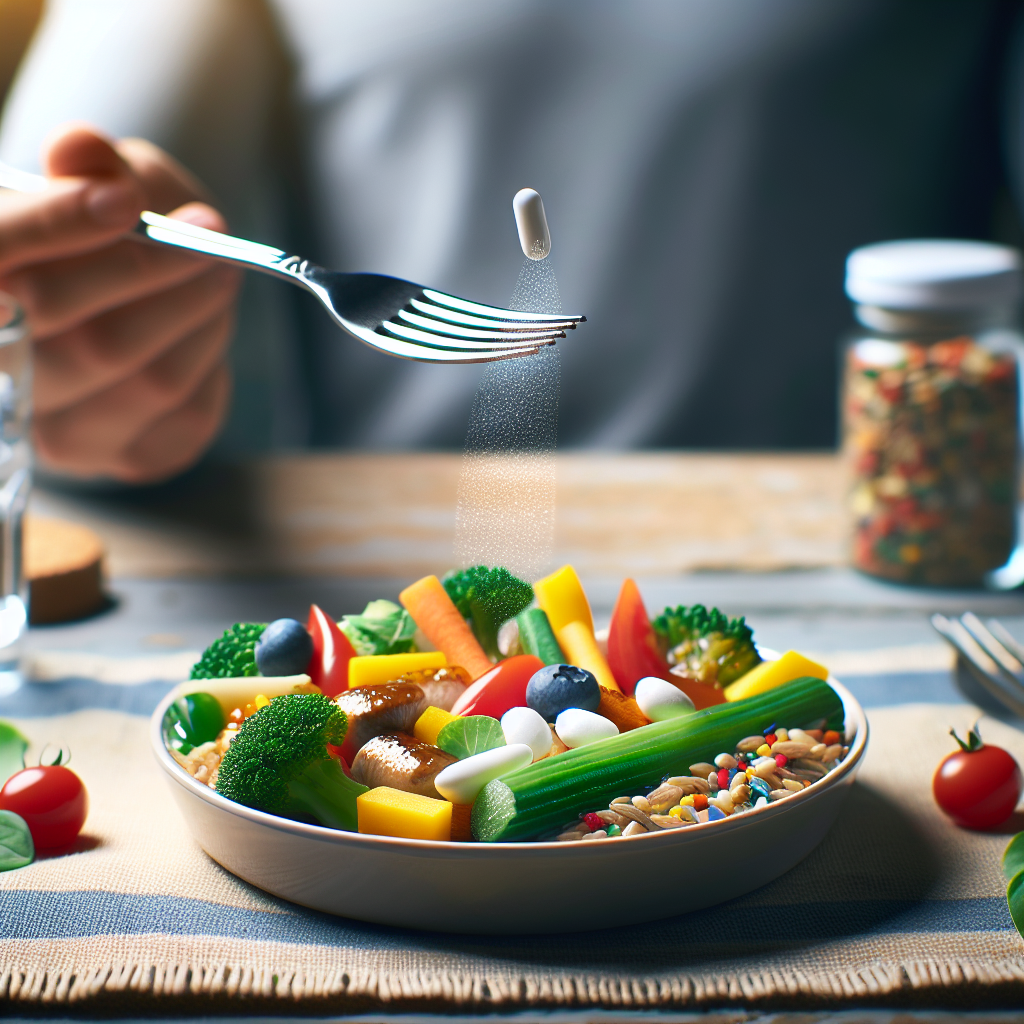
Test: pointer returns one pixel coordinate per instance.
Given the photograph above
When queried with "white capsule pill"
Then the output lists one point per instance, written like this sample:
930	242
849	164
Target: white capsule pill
524	725
532	224
660	700
461	782
576	727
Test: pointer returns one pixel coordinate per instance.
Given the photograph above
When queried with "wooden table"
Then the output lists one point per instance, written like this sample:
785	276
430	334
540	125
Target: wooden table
359	515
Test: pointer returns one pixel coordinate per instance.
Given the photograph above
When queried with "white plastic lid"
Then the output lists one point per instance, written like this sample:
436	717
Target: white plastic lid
934	274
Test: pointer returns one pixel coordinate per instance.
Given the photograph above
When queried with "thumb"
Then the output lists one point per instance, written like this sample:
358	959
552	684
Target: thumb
78	150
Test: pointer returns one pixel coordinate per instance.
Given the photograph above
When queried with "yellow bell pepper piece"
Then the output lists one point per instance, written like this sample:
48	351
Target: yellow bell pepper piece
580	648
261	701
561	596
770	674
374	669
430	723
390	812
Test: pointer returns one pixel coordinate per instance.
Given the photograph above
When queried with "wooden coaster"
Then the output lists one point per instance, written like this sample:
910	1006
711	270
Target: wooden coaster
64	568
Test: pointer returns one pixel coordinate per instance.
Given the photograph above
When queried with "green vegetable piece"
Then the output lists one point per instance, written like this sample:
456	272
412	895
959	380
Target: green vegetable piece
536	636
231	657
16	846
279	763
470	735
542	796
712	647
1013	858
383	628
12	751
193	720
488	598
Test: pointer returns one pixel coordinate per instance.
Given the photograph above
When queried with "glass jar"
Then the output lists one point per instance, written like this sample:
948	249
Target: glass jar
931	410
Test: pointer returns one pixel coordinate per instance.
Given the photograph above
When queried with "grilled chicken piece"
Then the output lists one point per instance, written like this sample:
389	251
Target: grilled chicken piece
401	762
375	710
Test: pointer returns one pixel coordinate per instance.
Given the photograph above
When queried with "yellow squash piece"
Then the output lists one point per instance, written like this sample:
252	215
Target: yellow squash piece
430	723
236	693
770	674
562	598
374	669
580	648
390	812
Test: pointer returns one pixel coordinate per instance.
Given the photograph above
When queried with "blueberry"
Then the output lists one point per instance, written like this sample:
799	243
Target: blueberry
555	688
284	649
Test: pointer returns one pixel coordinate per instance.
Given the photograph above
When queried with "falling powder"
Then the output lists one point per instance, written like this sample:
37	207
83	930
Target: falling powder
506	505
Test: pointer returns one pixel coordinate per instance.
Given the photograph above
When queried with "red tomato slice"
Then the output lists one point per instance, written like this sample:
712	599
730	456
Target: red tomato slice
51	799
502	688
633	651
332	650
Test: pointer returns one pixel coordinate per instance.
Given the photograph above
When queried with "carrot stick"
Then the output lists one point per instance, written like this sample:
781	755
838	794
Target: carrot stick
432	609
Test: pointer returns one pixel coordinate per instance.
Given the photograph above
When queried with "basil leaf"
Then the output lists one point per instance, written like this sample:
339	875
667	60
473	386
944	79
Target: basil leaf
12	751
1013	858
470	735
16	848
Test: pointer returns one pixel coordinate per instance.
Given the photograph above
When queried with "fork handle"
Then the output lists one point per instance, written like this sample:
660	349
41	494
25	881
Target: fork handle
159	230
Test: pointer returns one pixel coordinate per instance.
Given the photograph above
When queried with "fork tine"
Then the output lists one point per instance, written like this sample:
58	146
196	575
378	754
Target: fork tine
430	354
448	331
1010	642
496	312
977	659
508	326
1005	658
461	344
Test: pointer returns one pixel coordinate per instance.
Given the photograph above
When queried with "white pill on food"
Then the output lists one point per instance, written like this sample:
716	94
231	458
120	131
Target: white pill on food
524	725
461	782
532	224
660	700
576	727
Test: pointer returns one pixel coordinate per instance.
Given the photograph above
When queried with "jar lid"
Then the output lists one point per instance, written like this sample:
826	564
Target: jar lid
938	274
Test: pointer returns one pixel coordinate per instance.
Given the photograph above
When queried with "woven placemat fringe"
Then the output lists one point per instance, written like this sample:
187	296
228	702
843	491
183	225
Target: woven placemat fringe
401	989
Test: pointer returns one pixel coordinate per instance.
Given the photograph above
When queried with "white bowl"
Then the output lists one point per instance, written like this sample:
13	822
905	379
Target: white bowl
509	888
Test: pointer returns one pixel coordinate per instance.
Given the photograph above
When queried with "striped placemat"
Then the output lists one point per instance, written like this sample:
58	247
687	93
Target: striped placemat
896	907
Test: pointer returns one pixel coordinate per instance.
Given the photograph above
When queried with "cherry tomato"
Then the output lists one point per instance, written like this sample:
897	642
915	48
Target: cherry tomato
332	650
502	688
51	799
979	785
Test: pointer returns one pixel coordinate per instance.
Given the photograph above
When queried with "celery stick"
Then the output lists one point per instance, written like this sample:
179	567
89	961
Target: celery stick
536	636
545	795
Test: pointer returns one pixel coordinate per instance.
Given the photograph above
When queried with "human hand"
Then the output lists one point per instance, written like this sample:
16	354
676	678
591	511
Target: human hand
130	375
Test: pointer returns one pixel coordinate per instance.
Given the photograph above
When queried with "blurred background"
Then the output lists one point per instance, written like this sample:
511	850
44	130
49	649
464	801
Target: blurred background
706	168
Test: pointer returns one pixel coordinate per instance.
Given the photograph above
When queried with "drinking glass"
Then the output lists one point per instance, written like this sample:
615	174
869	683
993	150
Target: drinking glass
15	482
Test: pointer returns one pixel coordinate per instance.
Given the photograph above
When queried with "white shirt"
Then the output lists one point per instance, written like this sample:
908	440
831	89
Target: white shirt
705	165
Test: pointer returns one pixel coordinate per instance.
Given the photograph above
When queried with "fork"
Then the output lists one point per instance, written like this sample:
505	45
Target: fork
394	316
993	657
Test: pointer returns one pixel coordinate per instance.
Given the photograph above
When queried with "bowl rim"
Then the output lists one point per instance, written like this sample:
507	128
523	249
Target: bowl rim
853	712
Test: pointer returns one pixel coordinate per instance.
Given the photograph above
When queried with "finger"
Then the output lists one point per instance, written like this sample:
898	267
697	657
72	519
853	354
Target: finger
174	443
167	183
58	294
114	346
95	199
100	426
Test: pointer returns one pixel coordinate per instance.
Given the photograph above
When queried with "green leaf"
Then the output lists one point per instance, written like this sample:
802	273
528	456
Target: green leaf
1015	899
12	751
470	735
16	849
1013	858
383	628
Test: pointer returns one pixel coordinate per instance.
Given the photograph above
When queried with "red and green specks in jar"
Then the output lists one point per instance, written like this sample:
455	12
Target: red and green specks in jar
931	438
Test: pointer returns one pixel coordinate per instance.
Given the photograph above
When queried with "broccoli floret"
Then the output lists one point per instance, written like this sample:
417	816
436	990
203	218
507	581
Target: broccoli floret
279	763
232	655
706	645
488	598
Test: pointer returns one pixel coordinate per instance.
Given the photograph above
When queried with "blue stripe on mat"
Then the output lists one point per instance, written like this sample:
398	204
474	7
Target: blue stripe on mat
78	693
67	915
39	700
